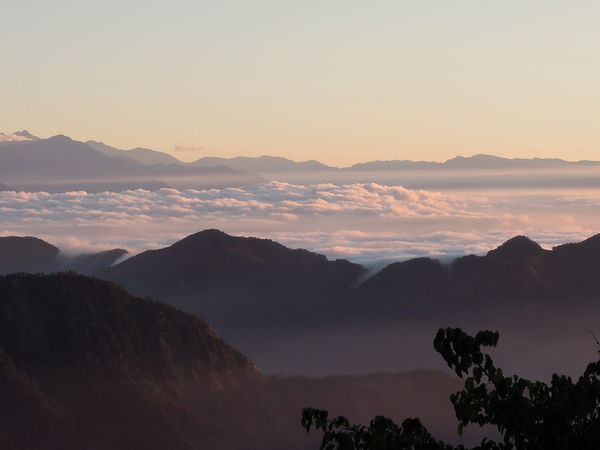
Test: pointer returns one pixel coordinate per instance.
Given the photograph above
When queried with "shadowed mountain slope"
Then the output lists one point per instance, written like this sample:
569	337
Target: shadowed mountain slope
420	282
33	255
225	277
279	305
83	363
238	281
275	303
517	271
26	254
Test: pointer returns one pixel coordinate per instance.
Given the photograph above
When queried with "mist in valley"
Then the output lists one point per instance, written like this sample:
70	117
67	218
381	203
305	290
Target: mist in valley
328	282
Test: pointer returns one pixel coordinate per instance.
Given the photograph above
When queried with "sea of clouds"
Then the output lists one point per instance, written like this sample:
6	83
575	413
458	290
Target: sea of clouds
364	222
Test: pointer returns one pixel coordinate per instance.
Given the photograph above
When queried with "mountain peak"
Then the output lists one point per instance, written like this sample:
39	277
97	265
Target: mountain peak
478	156
59	138
69	341
211	234
26	254
27	135
517	246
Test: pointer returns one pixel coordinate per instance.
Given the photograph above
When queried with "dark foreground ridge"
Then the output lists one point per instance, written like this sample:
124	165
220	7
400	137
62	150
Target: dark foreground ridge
84	364
82	361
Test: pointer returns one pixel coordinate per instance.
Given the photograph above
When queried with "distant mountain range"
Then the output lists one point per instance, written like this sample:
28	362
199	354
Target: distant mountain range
60	163
84	364
264	164
480	161
142	155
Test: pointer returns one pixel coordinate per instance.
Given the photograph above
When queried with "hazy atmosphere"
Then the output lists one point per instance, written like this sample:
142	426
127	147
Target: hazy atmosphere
349	225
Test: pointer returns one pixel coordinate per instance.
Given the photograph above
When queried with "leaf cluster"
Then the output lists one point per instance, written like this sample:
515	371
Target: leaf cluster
561	414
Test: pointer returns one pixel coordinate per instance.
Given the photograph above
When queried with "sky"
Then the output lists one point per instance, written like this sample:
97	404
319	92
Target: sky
338	81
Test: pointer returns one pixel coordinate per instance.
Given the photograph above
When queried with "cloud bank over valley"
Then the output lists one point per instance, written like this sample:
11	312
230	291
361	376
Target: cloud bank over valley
363	222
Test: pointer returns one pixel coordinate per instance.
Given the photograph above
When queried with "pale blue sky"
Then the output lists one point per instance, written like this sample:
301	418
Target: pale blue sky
339	81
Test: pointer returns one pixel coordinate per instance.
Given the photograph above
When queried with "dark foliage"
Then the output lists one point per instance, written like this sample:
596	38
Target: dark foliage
530	415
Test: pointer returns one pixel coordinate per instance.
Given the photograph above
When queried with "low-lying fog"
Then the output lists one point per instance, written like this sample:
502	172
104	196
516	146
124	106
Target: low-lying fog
439	213
530	348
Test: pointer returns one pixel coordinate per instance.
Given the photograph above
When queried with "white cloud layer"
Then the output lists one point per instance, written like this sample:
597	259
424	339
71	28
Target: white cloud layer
361	222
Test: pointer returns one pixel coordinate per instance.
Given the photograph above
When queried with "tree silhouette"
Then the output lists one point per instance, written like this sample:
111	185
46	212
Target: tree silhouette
529	415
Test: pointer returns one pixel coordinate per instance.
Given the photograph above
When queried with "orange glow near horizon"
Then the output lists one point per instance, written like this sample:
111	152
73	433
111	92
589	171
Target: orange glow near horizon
354	82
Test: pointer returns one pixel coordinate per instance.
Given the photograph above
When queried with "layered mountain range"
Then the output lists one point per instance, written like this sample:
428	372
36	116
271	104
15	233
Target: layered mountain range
275	303
272	301
518	271
265	164
212	266
239	282
59	164
142	155
84	364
